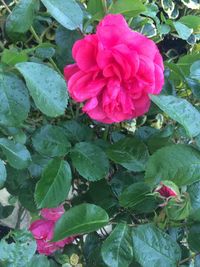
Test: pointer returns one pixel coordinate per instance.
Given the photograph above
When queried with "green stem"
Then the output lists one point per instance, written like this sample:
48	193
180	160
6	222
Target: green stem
188	259
55	66
39	40
106	133
104	3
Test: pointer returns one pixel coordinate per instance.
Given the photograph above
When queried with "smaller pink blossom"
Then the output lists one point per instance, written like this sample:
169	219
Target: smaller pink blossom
42	231
52	214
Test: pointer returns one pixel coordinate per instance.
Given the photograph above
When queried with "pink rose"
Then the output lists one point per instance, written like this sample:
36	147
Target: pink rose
42	231
52	214
115	70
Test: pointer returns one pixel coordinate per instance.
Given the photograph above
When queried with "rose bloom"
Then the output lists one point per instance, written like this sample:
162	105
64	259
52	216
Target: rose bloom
42	231
52	214
115	70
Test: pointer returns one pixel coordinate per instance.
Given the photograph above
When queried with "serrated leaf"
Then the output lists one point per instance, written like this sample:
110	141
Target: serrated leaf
12	56
67	13
14	100
195	70
128	7
194	237
183	31
80	219
90	161
47	88
129	152
39	261
134	195
181	111
51	141
178	163
17	154
151	245
54	185
77	132
21	18
117	248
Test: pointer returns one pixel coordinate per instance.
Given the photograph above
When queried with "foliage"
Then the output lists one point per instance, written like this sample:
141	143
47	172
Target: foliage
105	175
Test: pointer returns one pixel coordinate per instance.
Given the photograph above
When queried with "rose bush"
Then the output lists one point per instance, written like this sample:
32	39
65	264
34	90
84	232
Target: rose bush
91	174
115	70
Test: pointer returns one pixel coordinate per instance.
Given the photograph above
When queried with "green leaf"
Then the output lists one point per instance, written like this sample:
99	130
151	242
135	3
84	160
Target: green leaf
67	13
46	86
194	192
21	18
17	154
3	173
65	40
117	249
178	163
185	62
18	253
26	195
14	100
12	57
90	161
183	31
155	247
181	111
101	195
54	186
134	195
128	7
122	179
92	250
80	219
77	132
39	261
191	21
96	8
37	165
194	237
195	70
51	141
129	152
15	180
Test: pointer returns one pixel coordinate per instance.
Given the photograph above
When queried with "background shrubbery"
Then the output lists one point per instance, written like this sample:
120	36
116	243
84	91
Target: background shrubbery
52	153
